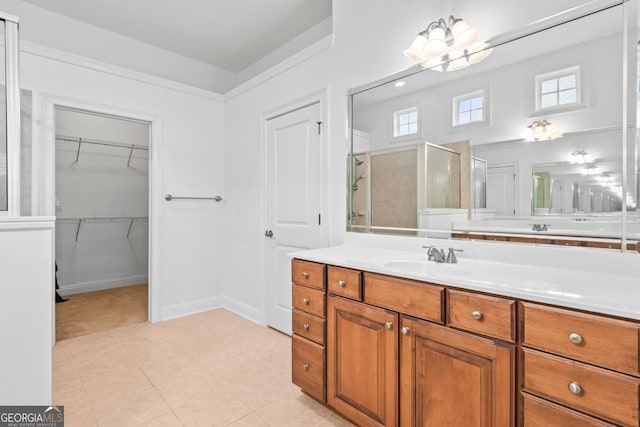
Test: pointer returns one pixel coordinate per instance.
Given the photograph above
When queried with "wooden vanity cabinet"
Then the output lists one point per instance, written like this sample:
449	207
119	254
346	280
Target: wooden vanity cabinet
449	377
308	355
362	362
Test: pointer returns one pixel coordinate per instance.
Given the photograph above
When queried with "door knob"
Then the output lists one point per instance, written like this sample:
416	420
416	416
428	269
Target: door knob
269	234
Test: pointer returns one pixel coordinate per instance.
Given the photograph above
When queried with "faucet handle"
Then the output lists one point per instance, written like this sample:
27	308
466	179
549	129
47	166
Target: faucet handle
451	256
430	253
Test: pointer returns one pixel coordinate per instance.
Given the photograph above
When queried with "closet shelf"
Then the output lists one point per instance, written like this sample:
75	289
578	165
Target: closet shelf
82	141
81	219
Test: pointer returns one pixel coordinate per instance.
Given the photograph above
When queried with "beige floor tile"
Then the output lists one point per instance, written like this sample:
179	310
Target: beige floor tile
168	419
335	420
165	369
250	420
79	419
188	388
218	408
72	397
114	385
293	410
131	410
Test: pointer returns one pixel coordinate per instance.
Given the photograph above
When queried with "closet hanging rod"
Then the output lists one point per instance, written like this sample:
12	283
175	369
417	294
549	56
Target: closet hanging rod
81	141
169	198
82	219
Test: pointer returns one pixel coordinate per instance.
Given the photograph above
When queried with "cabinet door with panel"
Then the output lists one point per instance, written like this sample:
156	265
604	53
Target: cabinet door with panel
362	362
452	378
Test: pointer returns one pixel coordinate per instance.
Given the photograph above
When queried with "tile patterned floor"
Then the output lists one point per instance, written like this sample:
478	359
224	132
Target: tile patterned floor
209	369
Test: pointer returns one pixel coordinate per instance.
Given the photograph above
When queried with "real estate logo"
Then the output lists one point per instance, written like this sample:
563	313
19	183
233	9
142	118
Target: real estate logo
31	416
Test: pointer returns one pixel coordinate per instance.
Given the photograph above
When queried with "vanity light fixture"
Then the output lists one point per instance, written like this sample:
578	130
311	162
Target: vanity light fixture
541	131
606	179
447	46
591	169
580	157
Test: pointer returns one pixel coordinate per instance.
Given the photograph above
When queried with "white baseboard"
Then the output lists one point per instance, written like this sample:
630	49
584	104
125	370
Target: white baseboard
242	309
190	307
100	285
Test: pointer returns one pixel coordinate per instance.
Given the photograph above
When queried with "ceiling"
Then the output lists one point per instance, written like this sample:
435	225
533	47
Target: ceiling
226	34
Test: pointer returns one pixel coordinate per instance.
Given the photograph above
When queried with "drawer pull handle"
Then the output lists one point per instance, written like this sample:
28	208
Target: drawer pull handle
342	283
305	301
305	274
305	326
575	338
476	314
405	330
575	388
305	366
388	325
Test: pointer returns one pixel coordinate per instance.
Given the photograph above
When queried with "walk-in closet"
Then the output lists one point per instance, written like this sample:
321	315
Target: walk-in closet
102	222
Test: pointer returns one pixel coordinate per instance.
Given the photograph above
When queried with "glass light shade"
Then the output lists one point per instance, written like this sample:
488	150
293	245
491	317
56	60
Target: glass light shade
414	52
434	47
458	64
541	131
434	64
463	35
479	52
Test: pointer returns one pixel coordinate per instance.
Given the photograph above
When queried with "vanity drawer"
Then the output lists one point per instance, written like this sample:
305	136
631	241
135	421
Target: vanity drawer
308	365
601	392
491	316
308	326
345	282
309	300
542	413
600	340
409	297
308	273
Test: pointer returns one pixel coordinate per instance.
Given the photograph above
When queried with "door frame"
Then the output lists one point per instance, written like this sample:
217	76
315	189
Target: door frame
319	97
45	183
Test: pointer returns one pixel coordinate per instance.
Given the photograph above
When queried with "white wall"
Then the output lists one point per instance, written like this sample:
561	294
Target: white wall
26	304
187	160
105	254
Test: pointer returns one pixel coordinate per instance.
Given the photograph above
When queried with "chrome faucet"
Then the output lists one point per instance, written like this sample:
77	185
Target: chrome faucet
539	227
435	254
451	256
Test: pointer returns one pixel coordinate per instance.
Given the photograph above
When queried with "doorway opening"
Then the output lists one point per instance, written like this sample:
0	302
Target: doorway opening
102	166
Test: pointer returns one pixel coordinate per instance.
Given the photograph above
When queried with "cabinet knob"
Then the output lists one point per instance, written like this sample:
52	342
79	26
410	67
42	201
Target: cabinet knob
405	330
342	283
305	274
305	300
575	338
305	366
476	314
575	388
388	325
305	326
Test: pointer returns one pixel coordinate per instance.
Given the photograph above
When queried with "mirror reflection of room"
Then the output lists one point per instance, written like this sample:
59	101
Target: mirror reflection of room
537	130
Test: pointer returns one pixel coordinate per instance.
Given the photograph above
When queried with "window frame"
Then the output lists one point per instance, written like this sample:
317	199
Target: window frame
395	118
557	75
455	111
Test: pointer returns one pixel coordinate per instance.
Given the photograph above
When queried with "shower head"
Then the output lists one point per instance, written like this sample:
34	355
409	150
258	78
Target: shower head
358	161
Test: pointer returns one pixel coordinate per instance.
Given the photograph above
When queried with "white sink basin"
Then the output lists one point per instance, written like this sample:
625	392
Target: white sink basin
426	267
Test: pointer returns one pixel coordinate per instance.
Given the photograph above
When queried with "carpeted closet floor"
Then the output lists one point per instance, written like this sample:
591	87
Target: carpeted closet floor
92	312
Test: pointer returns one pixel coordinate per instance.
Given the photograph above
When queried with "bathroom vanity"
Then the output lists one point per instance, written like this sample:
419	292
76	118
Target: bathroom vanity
385	337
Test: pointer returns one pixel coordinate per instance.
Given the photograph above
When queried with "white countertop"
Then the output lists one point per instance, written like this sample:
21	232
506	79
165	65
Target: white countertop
606	290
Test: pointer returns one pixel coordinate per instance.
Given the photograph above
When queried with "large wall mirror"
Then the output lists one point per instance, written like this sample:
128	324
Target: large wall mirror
536	143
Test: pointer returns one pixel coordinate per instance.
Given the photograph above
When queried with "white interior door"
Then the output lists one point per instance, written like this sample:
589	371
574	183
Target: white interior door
501	189
293	203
